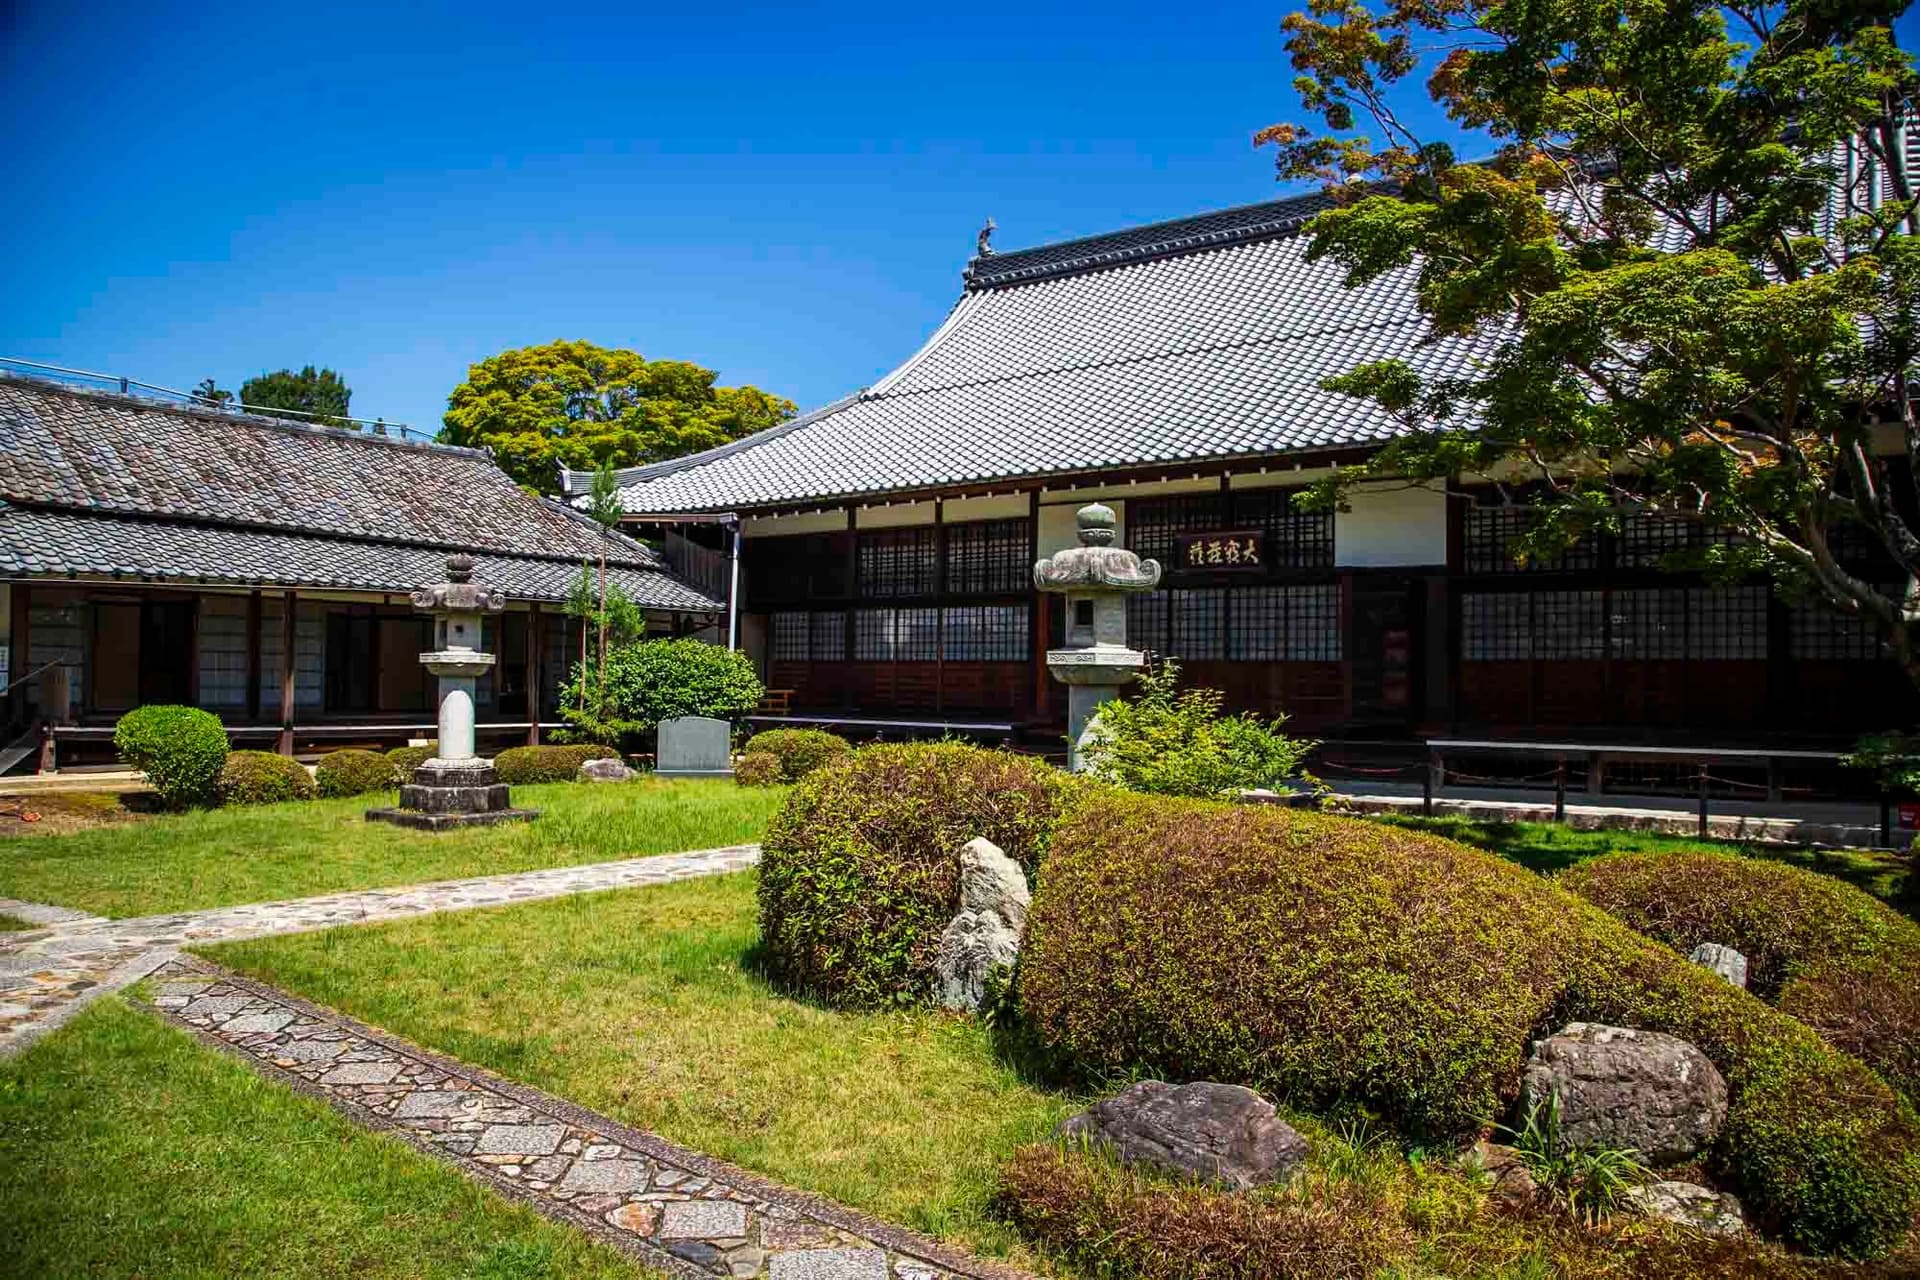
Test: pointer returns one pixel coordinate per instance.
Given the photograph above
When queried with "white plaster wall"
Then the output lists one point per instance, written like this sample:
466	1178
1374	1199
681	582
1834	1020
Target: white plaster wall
1058	530
804	522
1001	506
1391	524
893	517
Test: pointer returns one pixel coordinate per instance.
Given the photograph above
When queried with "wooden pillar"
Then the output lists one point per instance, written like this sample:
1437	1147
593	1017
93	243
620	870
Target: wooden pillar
193	653
535	692
939	606
253	657
22	636
285	745
853	599
1039	623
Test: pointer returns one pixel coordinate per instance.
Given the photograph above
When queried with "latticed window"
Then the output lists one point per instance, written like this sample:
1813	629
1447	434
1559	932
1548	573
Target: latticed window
1727	622
1146	621
987	557
1496	626
897	562
1285	624
1491	533
985	633
1649	625
827	637
1824	634
1153	523
1295	539
1647	539
896	635
790	632
1199	624
809	637
1569	625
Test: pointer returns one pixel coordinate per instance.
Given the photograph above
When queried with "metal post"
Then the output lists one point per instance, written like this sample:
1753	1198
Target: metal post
1703	799
1436	776
1560	790
733	591
1886	821
1426	792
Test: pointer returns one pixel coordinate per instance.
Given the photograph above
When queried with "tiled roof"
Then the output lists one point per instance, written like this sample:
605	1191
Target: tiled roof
40	542
345	508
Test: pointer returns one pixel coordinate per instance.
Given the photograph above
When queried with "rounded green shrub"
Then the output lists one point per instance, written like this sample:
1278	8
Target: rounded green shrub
180	749
654	680
405	760
799	751
522	765
353	772
1836	958
757	769
1327	961
860	872
263	777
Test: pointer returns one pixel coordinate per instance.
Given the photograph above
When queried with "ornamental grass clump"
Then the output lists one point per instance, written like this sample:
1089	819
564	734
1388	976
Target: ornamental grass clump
520	766
263	777
1834	957
859	871
180	749
799	751
1334	962
352	772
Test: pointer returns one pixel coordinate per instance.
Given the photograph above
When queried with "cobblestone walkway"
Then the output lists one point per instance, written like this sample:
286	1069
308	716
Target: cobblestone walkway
47	974
672	1208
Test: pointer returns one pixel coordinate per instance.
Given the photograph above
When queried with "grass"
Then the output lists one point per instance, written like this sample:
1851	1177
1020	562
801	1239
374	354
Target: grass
219	857
54	813
645	1004
14	924
133	1151
1548	847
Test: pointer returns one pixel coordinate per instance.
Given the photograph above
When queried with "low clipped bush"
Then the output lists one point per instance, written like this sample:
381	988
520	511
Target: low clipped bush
799	751
1332	961
757	769
522	765
859	871
352	772
404	760
1834	957
180	749
263	777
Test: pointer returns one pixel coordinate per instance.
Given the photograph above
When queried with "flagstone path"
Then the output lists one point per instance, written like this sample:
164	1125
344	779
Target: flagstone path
47	974
676	1210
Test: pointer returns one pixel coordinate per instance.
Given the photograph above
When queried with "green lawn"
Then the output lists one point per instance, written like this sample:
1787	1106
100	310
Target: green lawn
133	1151
1547	847
645	1004
219	857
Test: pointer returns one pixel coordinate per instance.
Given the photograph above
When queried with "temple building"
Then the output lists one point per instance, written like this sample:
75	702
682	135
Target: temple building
259	568
1173	373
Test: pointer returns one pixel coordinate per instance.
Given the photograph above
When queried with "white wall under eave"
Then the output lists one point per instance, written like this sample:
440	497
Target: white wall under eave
1391	523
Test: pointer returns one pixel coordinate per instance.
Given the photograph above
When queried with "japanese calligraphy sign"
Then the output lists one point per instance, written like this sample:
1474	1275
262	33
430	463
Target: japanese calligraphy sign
1233	551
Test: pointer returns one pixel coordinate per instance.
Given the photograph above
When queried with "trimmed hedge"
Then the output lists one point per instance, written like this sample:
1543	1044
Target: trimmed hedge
1836	958
859	871
180	749
353	772
263	777
1329	960
522	765
406	759
799	751
757	769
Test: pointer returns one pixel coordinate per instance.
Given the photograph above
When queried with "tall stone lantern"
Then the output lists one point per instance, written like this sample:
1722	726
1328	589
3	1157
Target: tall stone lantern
1096	577
456	788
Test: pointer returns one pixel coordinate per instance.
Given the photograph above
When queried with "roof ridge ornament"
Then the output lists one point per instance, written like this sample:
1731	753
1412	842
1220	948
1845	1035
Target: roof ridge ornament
983	249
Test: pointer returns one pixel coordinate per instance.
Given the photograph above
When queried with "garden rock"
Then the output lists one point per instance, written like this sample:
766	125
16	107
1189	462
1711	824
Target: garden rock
1622	1088
1219	1132
991	881
1513	1182
974	944
1725	961
1691	1205
605	771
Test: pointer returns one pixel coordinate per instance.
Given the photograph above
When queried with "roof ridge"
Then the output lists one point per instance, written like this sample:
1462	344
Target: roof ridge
1192	233
229	418
646	471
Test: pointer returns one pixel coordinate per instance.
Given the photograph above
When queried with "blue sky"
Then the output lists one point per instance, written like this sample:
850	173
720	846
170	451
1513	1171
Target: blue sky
785	194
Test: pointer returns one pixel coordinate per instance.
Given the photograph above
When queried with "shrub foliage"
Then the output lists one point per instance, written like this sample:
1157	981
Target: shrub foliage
1180	744
353	772
657	680
180	749
860	872
263	777
404	760
522	765
799	751
1327	960
757	769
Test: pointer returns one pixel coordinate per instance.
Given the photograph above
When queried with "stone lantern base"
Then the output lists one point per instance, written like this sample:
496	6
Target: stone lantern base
446	794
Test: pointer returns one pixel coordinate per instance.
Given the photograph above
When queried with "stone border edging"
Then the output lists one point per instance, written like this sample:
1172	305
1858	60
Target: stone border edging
782	1233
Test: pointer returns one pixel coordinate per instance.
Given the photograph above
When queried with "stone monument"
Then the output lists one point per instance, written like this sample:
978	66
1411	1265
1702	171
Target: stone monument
694	747
1096	577
456	788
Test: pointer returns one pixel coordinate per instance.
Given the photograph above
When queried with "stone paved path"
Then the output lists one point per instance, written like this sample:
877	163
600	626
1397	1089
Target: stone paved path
47	974
674	1209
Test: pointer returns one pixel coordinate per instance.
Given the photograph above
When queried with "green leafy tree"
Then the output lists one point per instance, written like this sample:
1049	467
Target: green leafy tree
577	405
1669	324
655	680
603	504
1173	743
319	396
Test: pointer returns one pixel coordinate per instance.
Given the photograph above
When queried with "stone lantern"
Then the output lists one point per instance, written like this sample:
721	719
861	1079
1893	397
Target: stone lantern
1096	577
456	788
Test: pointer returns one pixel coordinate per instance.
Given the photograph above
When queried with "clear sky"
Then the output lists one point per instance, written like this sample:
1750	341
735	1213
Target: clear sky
783	193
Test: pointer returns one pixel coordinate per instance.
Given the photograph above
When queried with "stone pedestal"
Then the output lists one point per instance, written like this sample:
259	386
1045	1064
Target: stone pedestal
453	793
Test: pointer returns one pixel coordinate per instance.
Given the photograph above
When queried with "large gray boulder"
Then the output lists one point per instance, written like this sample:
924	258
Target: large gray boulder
1725	961
1622	1088
986	934
1217	1132
1691	1205
604	771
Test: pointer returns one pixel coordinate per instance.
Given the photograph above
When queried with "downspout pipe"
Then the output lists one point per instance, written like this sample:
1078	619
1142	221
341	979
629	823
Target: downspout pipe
733	587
